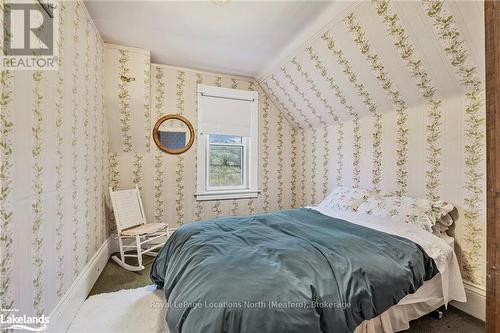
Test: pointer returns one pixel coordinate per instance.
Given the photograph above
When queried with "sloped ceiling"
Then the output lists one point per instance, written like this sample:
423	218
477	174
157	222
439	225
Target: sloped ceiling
234	37
372	57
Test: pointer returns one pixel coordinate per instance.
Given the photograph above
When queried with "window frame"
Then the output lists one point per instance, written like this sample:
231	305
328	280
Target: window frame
204	191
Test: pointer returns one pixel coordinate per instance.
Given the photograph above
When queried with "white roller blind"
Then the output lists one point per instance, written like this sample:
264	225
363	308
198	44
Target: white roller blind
227	111
229	116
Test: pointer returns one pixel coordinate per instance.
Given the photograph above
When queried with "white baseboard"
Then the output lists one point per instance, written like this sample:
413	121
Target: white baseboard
65	311
476	301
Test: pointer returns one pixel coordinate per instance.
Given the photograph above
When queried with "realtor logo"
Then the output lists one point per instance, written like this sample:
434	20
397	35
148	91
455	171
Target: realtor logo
30	35
10	319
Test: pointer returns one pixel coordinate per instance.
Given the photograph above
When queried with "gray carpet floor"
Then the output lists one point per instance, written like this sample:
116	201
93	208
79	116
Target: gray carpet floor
453	320
114	278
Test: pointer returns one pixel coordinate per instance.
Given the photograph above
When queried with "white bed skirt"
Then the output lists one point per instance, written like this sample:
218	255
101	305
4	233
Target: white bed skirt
426	299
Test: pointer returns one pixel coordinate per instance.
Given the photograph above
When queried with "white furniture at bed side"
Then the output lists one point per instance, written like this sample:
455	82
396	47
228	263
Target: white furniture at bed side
131	227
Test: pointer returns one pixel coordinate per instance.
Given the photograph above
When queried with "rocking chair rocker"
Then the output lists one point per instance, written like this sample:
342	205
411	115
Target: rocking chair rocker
133	231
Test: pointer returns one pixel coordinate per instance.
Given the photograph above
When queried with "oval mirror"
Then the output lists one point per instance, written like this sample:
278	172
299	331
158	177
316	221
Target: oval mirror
173	134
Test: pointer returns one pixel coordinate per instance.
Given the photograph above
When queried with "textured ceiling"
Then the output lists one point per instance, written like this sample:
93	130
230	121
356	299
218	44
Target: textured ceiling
376	57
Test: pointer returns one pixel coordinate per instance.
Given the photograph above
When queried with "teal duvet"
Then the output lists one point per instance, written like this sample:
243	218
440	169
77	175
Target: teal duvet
291	271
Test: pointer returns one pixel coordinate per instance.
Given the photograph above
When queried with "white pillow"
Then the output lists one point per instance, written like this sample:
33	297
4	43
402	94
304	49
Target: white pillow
393	208
345	199
403	209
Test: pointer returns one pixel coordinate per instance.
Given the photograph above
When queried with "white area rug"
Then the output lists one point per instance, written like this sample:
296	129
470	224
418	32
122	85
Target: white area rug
131	310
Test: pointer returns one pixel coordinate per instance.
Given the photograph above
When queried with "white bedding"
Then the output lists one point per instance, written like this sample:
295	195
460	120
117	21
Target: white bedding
443	288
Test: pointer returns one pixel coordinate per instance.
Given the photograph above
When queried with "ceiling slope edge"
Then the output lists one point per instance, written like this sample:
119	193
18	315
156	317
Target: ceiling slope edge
335	12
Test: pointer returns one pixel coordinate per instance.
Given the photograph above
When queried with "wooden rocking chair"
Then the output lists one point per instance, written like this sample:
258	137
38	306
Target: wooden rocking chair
132	228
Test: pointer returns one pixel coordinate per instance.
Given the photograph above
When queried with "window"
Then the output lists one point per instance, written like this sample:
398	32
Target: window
227	143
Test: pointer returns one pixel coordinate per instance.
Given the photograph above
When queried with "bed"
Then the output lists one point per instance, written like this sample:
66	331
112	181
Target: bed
303	270
446	286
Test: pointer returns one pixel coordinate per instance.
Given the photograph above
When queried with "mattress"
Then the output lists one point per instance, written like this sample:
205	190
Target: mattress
445	287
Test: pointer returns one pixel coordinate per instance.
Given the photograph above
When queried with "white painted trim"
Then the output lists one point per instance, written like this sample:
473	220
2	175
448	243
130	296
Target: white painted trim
221	92
226	195
200	71
65	311
476	301
208	71
331	15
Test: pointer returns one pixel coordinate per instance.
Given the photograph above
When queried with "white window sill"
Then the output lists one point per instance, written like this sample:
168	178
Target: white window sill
227	195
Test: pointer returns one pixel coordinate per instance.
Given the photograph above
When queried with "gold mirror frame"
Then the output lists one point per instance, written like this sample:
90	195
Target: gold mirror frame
156	137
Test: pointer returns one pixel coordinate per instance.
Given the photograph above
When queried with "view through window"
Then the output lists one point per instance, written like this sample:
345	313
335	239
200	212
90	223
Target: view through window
226	154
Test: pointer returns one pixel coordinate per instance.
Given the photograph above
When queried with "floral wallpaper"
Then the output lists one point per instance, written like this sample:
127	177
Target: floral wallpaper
399	105
337	91
179	165
37	190
6	209
124	99
158	161
168	182
59	109
390	96
53	147
265	154
426	87
454	46
368	101
127	97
